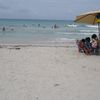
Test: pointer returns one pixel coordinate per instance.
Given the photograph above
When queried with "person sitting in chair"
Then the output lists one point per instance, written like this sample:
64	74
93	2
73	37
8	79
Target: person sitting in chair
95	45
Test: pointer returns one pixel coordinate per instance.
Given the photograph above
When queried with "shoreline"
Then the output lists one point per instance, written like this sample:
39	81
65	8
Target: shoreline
55	44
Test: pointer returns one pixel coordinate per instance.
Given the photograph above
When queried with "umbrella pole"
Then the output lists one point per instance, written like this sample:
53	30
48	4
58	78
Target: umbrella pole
99	29
99	38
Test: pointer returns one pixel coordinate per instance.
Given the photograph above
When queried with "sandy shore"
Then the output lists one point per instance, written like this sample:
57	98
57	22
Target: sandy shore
48	73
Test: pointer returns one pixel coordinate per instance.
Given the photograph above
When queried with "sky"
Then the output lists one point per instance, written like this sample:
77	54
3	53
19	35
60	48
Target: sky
46	9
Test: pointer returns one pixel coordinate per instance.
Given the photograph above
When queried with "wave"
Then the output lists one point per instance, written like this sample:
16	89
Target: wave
89	31
71	25
82	25
64	39
81	28
92	26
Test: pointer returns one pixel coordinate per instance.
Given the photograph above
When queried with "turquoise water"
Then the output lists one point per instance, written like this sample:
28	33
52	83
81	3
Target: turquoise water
42	31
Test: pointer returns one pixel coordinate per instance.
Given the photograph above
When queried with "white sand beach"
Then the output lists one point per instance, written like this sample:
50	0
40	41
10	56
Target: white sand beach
48	73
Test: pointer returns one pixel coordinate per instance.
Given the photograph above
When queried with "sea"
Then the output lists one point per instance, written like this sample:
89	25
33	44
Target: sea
37	32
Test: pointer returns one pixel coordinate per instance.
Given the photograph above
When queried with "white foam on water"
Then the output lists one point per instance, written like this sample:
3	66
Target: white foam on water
92	26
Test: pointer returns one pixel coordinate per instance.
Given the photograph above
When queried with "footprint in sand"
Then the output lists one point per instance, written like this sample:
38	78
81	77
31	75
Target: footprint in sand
55	85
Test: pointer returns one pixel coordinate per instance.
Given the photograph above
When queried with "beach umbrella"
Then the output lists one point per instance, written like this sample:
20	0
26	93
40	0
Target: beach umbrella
92	18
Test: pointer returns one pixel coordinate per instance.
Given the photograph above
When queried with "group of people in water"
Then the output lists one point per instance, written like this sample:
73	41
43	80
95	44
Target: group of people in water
89	46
